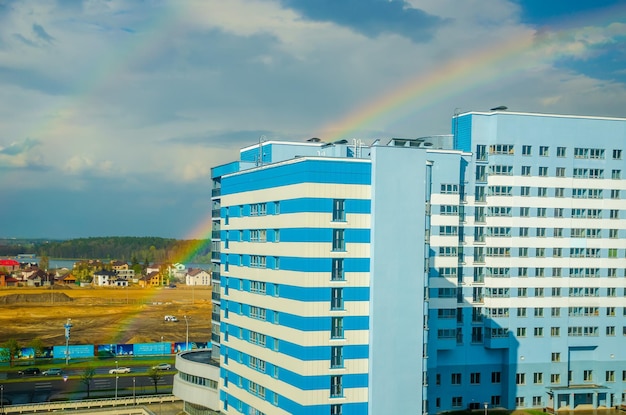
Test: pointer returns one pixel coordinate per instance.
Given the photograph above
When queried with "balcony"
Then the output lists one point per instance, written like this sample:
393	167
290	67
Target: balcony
215	338
215	235
215	317
215	296
216	192
215	276
215	213
215	255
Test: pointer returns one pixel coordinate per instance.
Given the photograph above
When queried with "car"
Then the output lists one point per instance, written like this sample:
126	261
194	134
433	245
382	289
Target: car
171	318
30	371
52	372
162	366
118	370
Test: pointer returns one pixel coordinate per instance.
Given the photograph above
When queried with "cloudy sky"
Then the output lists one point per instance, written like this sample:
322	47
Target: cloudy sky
112	112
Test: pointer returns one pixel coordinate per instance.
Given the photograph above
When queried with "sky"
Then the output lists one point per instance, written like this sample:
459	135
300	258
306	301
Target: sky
112	112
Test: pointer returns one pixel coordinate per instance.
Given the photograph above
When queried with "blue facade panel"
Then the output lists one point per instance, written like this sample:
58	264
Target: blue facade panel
305	171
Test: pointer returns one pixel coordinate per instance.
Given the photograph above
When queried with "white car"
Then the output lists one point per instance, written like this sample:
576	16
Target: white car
162	366
118	370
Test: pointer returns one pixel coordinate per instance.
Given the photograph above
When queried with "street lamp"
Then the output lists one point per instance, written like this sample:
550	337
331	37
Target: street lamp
2	398
68	327
187	338
116	378
486	404
116	366
134	396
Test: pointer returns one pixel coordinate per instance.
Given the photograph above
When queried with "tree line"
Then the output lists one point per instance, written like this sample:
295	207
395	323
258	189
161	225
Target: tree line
123	248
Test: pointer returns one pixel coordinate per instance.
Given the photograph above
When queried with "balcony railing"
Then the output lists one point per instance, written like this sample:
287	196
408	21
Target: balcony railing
216	192
215	234
215	213
215	316
215	296
215	255
215	338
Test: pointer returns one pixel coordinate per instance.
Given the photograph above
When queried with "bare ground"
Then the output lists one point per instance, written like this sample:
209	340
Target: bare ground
104	315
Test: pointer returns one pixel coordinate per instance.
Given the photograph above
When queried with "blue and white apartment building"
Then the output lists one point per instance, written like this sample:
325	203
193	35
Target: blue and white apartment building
485	267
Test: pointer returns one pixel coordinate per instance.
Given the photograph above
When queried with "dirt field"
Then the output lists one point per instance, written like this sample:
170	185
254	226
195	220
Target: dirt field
104	315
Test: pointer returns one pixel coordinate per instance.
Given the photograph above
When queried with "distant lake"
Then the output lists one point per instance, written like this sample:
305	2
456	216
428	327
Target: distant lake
69	264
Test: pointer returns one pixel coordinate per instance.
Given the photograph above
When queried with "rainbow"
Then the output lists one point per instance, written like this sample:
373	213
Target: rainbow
505	58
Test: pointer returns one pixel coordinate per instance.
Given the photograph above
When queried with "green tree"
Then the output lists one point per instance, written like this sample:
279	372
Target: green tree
10	350
86	377
155	376
44	262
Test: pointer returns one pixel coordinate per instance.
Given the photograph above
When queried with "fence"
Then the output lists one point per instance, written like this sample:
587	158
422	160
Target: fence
119	406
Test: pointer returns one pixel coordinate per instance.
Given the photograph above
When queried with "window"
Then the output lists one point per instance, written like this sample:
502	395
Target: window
596	173
503	149
544	151
336	409
520	379
256	389
257	287
475	378
525	170
527	150
448	230
613	233
555	378
538	331
609	376
455	379
538	312
558	232
481	176
339	242
496	377
525	190
257	364
481	152
337	270
336	331
557	252
616	174
522	252
556	357
543	171
496	400
614	214
522	272
498	170
336	388
560	152
557	272
448	210
524	211
523	232
542	191
537	401
556	291
541	232
521	332
541	212
617	154
615	194
522	292
336	302
588	375
336	356
538	378
450	188
339	210
457	401
610	330
257	338
258	313
559	192
560	172
555	331
521	312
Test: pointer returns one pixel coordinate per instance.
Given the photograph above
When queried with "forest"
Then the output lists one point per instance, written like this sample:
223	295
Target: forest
122	248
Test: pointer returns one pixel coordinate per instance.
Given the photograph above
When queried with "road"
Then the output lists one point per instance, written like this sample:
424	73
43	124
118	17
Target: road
43	389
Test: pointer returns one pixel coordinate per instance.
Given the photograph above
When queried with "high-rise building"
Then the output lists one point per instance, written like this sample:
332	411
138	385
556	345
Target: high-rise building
481	269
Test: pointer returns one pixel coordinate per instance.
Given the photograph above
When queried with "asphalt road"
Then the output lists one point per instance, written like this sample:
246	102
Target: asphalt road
43	389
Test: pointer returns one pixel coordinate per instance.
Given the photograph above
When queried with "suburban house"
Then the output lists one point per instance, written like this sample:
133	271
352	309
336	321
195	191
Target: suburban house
153	279
103	278
197	276
39	278
67	279
119	265
9	264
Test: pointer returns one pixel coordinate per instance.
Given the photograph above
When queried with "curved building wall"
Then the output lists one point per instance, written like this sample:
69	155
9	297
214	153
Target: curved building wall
197	380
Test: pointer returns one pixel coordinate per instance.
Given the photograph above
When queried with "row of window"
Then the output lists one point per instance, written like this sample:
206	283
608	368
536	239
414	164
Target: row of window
505	272
524	212
577	173
544	151
477	313
480	194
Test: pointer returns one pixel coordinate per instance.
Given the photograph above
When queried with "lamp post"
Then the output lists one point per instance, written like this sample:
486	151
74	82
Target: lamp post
116	378
68	327
134	396
187	337
116	366
2	399
486	404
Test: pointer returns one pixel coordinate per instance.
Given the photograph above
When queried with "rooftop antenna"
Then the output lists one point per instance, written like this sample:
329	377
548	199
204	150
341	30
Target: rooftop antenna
259	161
